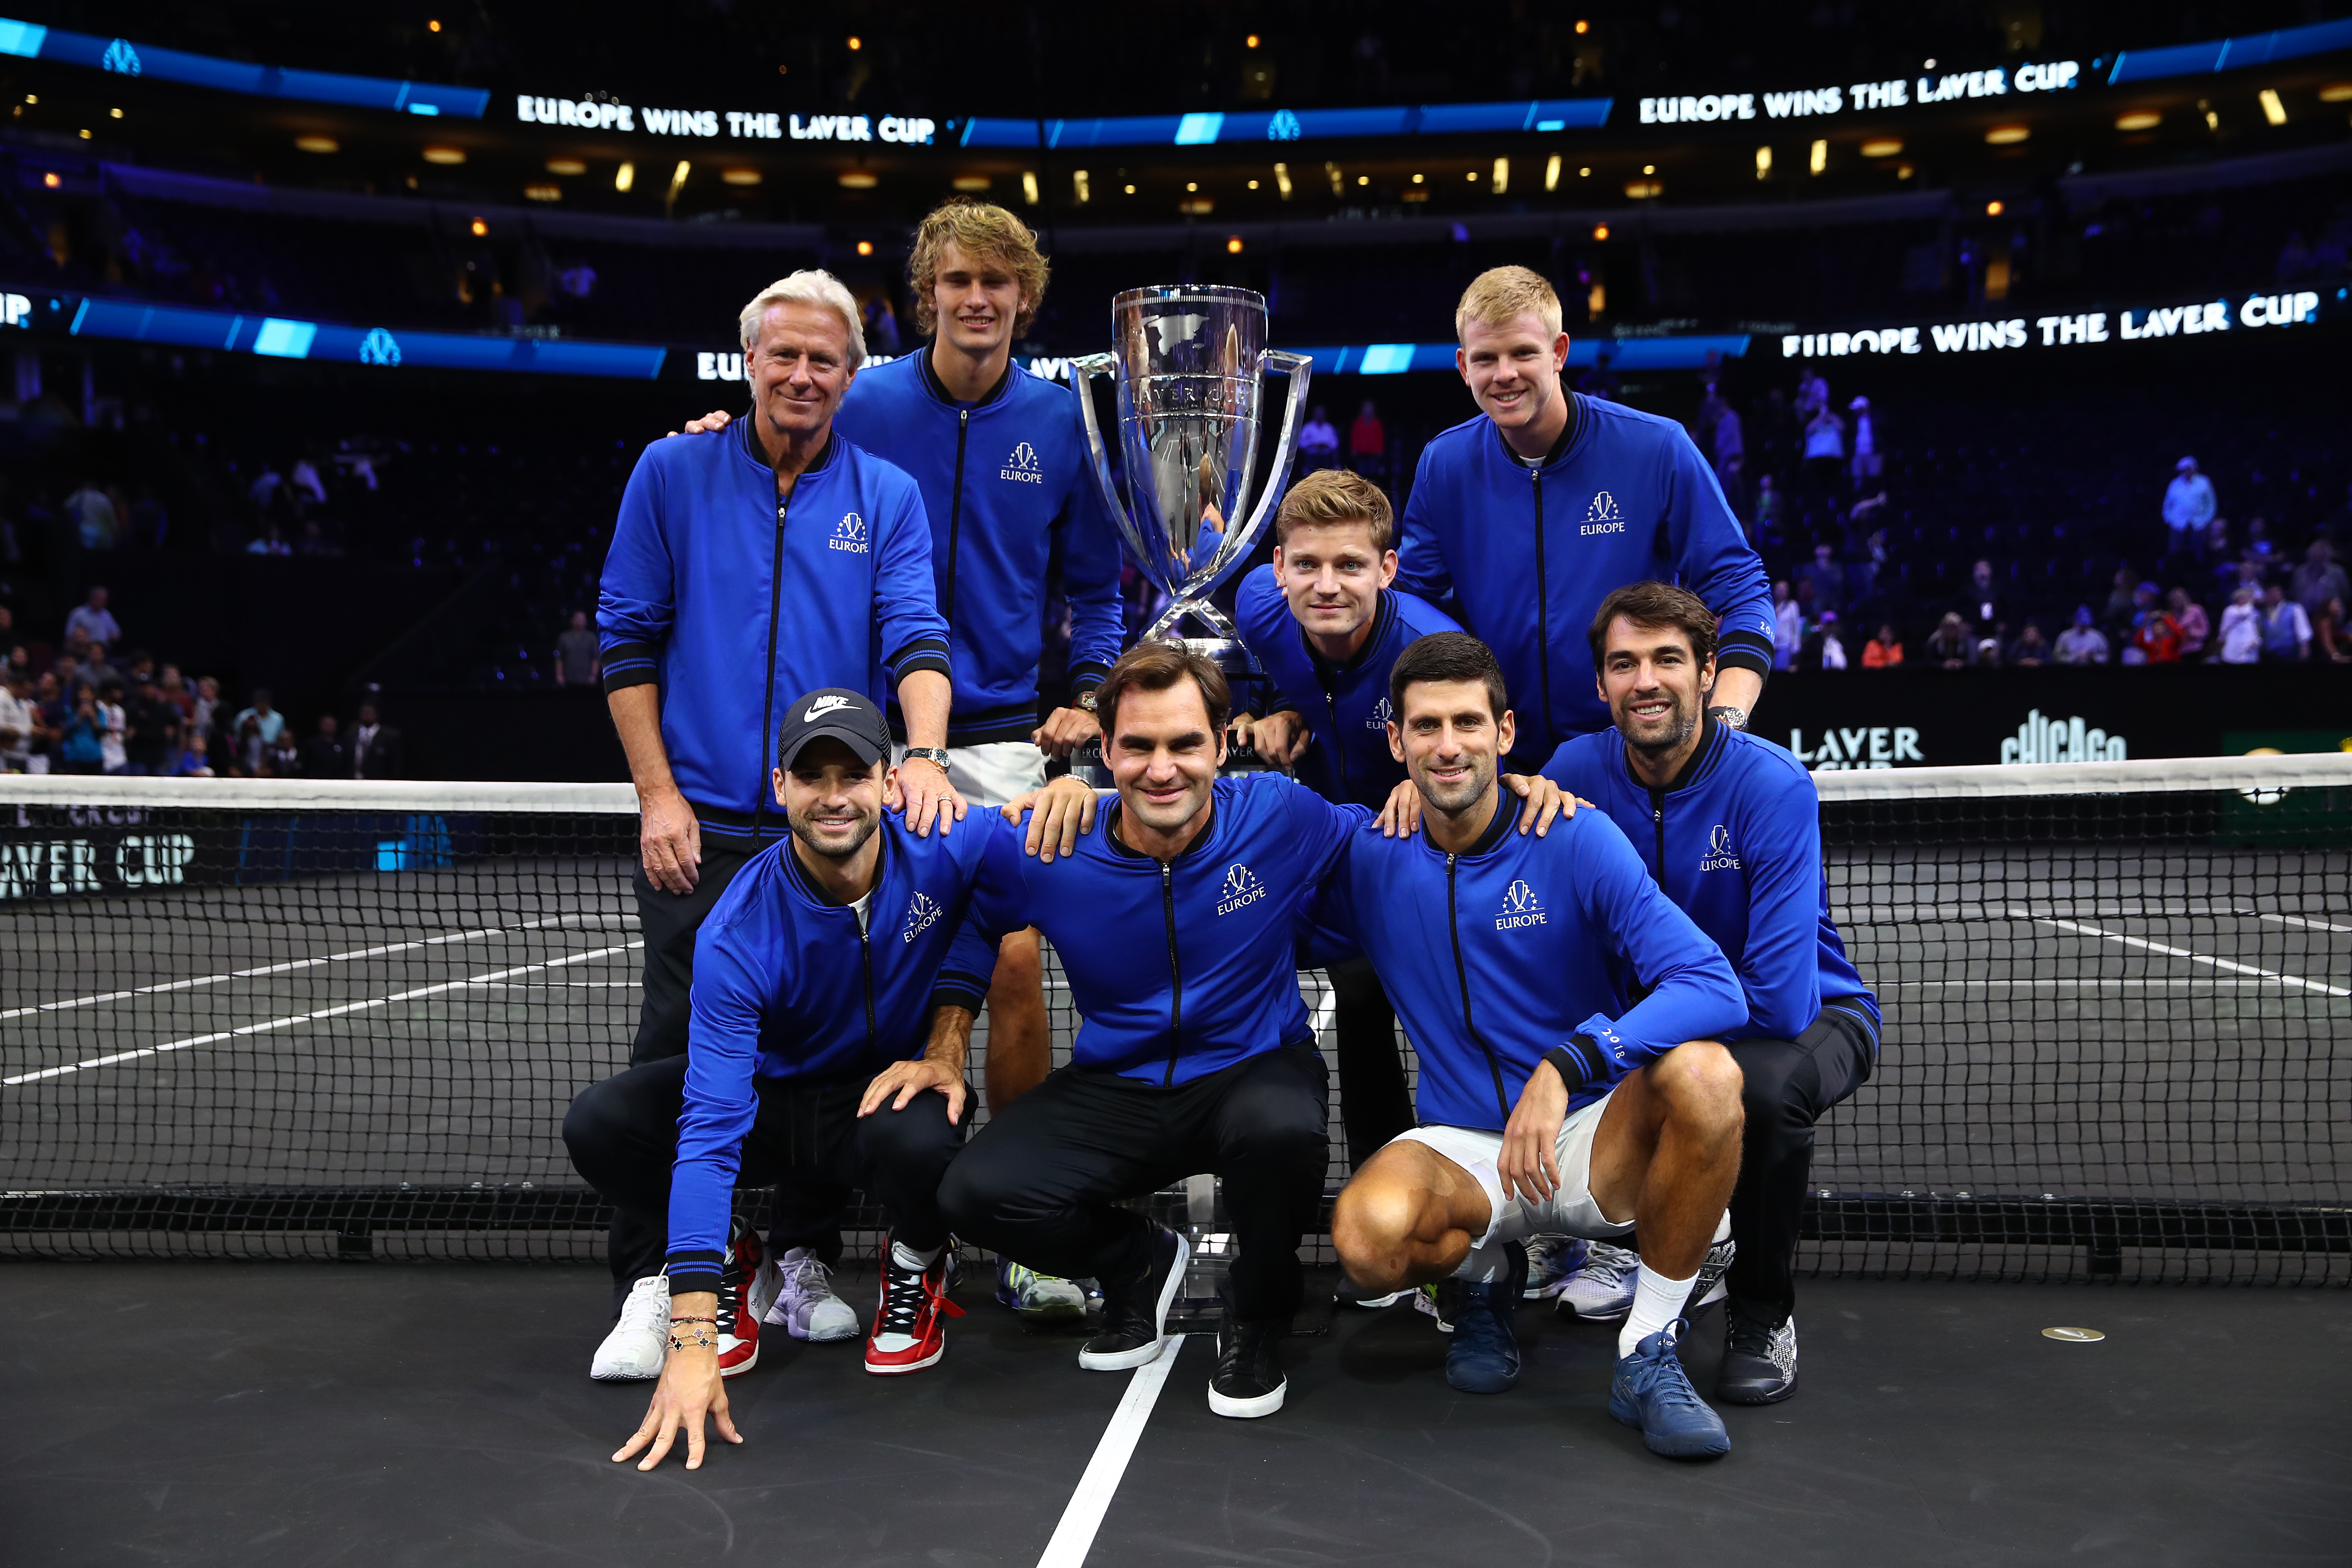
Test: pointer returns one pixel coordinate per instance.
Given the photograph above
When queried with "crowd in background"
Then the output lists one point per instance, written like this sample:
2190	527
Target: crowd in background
92	703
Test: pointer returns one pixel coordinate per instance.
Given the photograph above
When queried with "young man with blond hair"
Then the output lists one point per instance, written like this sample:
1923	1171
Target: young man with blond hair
1570	497
1000	457
1327	626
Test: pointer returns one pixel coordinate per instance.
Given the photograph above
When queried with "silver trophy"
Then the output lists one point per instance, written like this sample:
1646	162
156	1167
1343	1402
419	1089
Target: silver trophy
1189	361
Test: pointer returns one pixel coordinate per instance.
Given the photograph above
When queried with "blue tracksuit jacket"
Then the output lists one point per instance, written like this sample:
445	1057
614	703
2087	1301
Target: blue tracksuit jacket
1494	956
1345	706
788	985
1183	969
1736	842
736	603
1529	553
1006	489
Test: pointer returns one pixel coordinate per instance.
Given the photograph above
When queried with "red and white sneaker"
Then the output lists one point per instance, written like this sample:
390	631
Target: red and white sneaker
907	1334
747	1284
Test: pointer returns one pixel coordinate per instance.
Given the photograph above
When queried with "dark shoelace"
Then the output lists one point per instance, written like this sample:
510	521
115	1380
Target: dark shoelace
1663	1374
904	1296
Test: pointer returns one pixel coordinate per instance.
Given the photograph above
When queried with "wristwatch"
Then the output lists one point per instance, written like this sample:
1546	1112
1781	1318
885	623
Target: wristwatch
1086	700
935	755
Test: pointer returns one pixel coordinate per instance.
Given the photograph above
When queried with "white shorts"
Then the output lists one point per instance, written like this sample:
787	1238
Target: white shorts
1570	1211
990	774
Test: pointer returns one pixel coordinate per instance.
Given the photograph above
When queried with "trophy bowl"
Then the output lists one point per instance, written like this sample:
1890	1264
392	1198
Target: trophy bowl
1189	363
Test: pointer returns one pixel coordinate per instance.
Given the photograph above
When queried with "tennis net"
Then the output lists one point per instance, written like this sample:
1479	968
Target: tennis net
281	1018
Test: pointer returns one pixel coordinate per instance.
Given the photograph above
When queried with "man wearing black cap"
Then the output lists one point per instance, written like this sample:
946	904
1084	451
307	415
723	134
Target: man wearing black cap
825	1051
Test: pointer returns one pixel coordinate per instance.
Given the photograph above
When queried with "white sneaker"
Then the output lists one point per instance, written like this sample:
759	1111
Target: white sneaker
1552	1262
1602	1291
635	1350
805	1306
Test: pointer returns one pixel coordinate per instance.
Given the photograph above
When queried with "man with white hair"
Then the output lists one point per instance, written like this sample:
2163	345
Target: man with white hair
778	560
2189	506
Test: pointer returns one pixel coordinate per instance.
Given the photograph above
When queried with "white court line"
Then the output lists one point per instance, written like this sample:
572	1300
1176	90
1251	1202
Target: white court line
1074	1536
335	1012
2228	964
293	964
2299	921
2150	984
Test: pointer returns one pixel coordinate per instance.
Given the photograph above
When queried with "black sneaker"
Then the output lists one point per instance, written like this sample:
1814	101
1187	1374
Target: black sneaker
1485	1355
1759	1360
1249	1381
1135	1312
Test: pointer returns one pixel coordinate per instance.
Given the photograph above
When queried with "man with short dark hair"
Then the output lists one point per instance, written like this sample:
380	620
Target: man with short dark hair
93	620
1729	826
1550	1099
376	751
325	755
826	1051
1174	918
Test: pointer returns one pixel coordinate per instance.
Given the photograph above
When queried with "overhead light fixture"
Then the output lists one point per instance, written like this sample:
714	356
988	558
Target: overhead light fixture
1078	186
1233	242
1029	186
1191	185
677	177
2333	93
855	42
1649	168
433	26
1763	162
1252	184
85	136
2007	135
2212	120
970	183
1882	147
1600	231
1903	171
1642	190
1131	190
1367	178
1337	184
2273	109
1927	64
1416	179
50	180
1583	26
1282	180
1994	209
318	144
740	177
1584	173
1551	173
2139	120
1818	159
480	228
1502	175
624	176
445	154
566	166
865	247
548	191
1252	41
858	180
114	114
1471	176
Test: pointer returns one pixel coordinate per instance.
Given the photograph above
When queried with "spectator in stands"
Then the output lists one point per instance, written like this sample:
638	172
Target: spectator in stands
2286	627
1768	508
1869	463
1952	647
1825	650
1787	628
249	755
324	754
2260	548
190	759
1730	450
271	720
155	729
1319	442
1600	382
285	756
1988	653
95	669
81	738
2189	506
68	670
2327	631
263	491
2122	611
1824	452
2031	649
2318	579
2154	635
305	485
270	541
2196	630
96	526
1827	576
1812	395
207	706
1883	651
2241	627
1367	442
93	620
17	719
578	661
1985	602
176	691
114	750
376	750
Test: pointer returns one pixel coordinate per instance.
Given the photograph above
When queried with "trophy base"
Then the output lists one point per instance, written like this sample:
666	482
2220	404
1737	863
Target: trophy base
1222	648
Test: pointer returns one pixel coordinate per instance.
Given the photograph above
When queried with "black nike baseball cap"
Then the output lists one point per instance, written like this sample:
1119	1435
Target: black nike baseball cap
849	717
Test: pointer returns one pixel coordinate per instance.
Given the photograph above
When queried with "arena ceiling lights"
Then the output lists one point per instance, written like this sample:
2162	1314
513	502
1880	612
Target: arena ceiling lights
30	40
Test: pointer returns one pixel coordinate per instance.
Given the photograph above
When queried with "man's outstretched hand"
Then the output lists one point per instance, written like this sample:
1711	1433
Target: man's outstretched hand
1059	816
709	424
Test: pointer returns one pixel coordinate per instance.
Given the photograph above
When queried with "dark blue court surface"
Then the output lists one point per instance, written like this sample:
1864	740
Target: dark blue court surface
296	1414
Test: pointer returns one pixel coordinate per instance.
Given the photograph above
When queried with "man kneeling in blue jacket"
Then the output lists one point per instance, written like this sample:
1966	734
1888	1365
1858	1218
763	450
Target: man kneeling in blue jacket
1547	1103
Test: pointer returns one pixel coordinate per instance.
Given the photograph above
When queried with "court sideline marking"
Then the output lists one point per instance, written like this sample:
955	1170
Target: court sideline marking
1074	1536
291	1019
2228	964
290	965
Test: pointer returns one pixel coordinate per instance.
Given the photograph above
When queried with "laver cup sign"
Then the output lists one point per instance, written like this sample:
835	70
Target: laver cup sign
1188	363
103	851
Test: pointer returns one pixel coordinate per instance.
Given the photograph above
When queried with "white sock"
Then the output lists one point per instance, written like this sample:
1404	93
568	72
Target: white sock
1657	1301
906	1256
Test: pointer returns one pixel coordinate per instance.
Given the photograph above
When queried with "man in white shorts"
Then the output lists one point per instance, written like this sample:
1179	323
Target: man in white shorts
1549	1100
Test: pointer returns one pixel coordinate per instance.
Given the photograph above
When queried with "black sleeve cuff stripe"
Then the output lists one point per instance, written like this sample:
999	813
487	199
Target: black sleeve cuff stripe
1086	676
1579	1062
619	677
927	661
631	664
1754	658
694	1276
919	646
960	991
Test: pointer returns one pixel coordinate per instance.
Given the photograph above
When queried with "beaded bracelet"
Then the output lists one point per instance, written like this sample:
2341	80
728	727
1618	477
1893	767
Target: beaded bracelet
713	1321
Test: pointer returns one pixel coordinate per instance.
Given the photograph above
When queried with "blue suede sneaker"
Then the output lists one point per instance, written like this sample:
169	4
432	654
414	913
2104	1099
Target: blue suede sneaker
1483	1357
1652	1391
